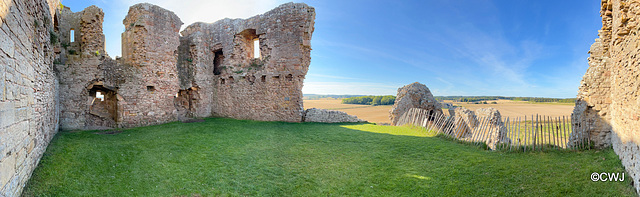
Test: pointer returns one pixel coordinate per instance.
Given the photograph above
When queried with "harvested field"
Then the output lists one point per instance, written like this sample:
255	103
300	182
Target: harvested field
514	109
507	108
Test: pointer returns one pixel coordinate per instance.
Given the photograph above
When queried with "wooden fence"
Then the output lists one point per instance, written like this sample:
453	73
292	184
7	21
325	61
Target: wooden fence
528	133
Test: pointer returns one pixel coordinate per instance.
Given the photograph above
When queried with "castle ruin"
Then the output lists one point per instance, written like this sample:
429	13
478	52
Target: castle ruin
607	109
55	73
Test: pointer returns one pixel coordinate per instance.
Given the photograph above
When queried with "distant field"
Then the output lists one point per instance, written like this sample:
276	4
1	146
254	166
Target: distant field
515	109
508	108
376	114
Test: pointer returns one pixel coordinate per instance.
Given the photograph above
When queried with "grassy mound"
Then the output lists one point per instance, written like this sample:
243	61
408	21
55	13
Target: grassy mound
237	157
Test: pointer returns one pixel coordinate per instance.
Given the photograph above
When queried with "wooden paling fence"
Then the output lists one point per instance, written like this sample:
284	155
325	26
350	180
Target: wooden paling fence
527	133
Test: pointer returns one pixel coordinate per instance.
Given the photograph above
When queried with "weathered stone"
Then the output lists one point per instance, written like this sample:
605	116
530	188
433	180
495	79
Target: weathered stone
415	95
329	116
163	77
7	169
465	121
28	89
49	78
218	59
496	130
607	107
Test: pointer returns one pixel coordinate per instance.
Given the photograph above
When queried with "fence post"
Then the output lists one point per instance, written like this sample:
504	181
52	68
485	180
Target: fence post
443	124
526	136
438	122
510	133
501	138
519	133
535	136
430	122
487	131
549	132
542	129
553	132
476	131
565	140
550	126
557	133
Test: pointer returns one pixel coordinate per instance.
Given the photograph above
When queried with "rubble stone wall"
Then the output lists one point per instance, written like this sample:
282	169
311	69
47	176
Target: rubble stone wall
231	81
328	116
28	89
607	109
149	50
78	67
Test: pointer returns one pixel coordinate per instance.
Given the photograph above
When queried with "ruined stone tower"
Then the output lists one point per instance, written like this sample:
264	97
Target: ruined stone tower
55	73
149	49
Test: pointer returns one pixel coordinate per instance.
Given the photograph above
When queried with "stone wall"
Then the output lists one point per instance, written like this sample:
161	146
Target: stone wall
328	116
54	72
78	67
607	111
28	89
219	64
149	51
164	77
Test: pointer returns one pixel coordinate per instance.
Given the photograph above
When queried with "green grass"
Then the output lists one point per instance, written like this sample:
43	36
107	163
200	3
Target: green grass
251	158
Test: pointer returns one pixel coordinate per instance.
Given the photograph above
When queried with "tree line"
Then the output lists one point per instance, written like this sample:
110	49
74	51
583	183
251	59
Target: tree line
474	99
321	96
370	100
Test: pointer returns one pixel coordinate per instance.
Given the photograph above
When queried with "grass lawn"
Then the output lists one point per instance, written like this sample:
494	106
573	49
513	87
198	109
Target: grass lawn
238	158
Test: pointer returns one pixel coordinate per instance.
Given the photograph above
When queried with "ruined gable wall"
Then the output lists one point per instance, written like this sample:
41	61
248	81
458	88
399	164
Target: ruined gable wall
149	49
608	105
263	88
28	89
78	66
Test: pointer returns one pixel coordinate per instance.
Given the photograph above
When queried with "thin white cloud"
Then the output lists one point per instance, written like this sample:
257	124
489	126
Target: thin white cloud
189	11
332	76
353	88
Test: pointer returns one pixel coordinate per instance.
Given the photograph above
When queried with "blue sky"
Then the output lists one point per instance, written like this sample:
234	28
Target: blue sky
475	47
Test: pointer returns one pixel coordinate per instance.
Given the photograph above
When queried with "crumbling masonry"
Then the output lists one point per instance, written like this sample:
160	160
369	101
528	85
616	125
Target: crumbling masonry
607	111
55	73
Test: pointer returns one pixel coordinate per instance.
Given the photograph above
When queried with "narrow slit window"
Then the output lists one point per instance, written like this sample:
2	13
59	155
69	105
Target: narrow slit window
151	88
256	48
218	57
72	35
